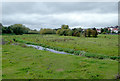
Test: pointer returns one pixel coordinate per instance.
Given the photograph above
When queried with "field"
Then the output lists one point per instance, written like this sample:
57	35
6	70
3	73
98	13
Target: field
107	45
21	62
0	58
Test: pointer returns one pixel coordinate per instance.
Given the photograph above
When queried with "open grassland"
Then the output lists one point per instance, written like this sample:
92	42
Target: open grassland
0	57
20	62
104	44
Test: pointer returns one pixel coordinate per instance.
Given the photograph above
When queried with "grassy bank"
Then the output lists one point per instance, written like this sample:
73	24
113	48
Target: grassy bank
104	44
20	62
71	51
0	57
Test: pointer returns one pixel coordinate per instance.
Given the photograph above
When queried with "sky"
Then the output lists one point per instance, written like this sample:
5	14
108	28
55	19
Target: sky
37	15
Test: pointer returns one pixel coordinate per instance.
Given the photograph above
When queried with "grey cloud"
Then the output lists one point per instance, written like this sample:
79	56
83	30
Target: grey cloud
95	7
59	7
54	14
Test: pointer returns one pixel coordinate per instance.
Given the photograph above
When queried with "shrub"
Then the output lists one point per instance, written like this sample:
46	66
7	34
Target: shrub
77	52
65	27
71	51
101	57
104	33
113	57
77	34
60	32
88	32
94	33
70	33
60	49
33	32
47	31
66	50
19	29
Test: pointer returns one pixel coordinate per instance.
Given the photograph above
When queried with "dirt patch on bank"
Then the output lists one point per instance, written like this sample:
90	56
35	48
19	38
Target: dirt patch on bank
3	42
59	70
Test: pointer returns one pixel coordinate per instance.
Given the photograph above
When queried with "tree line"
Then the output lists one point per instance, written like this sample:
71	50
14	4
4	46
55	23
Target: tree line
20	29
66	31
17	29
77	31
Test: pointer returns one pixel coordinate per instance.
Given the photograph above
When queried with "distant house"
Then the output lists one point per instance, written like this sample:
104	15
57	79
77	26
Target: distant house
99	30
115	30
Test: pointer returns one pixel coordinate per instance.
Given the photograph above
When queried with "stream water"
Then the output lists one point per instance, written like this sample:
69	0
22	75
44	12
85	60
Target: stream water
47	49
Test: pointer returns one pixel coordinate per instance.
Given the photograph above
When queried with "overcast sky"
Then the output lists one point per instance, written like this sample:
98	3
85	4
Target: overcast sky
36	15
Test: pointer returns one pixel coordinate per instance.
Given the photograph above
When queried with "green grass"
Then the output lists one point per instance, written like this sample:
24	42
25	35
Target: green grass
29	63
102	47
104	44
0	57
21	62
75	52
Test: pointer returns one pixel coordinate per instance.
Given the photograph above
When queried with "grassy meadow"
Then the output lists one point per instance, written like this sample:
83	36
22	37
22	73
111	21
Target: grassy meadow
104	44
22	62
0	57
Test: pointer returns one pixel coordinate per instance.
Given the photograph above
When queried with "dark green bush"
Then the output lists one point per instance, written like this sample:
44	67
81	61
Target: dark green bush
77	52
113	57
66	50
60	49
71	51
47	31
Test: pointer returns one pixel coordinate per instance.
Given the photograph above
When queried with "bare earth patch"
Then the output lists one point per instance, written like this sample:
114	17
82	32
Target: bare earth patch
59	69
